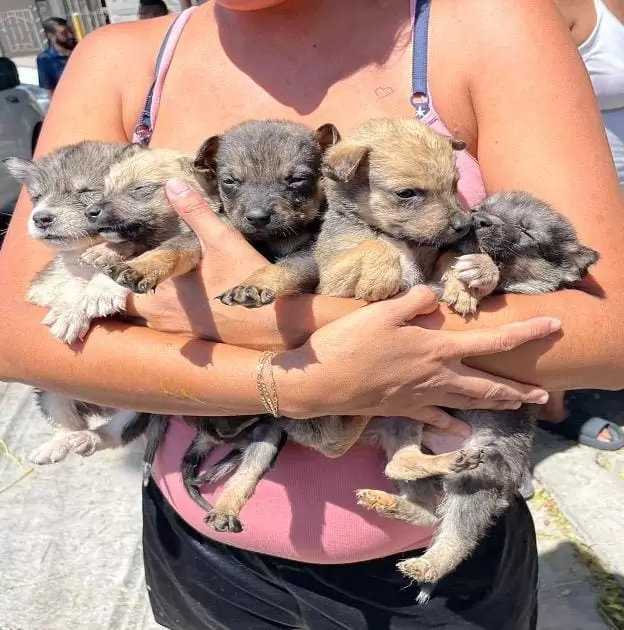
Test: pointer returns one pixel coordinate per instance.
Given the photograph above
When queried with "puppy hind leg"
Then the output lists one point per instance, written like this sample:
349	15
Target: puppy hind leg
108	435
463	521
258	457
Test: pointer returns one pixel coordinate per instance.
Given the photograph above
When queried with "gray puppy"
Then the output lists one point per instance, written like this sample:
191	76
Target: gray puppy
61	186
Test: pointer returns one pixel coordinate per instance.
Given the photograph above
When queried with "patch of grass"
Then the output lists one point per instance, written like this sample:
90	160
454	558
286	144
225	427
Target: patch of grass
25	471
610	594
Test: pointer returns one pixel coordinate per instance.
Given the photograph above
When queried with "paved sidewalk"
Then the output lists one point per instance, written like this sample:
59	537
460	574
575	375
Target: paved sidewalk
71	545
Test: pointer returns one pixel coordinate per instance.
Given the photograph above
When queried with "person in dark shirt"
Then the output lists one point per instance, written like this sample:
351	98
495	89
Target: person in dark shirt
51	62
151	9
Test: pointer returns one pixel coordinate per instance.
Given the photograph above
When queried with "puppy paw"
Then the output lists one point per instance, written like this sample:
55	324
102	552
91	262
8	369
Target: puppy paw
478	272
457	295
376	500
67	324
467	459
100	256
418	569
84	443
50	452
134	279
221	522
247	296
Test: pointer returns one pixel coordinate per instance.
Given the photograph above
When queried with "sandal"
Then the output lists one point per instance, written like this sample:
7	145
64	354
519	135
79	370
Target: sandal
586	430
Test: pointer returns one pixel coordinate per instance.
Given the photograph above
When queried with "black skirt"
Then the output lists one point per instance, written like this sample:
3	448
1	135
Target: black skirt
195	583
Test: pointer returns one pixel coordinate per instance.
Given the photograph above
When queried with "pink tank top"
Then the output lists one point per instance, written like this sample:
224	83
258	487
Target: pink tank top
304	509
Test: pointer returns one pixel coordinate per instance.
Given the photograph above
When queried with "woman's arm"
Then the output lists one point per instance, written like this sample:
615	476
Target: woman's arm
122	365
539	130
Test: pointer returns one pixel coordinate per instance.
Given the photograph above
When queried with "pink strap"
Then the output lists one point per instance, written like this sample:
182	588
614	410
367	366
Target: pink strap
165	61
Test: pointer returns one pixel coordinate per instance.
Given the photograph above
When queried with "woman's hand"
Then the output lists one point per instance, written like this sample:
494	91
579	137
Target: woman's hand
374	362
186	305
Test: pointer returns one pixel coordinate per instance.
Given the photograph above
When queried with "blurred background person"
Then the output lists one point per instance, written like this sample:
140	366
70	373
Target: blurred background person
51	62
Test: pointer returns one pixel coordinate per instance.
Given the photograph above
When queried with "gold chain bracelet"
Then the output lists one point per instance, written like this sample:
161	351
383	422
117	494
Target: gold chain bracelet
268	394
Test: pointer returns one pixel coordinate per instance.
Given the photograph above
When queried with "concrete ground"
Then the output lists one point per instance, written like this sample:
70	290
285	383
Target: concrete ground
71	546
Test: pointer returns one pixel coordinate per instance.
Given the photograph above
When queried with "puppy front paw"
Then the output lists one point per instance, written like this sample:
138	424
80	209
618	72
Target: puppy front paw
247	296
102	255
457	295
478	272
130	277
67	324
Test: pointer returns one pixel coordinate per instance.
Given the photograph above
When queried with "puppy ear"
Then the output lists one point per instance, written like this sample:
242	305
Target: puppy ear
343	161
457	145
327	135
205	159
584	258
22	170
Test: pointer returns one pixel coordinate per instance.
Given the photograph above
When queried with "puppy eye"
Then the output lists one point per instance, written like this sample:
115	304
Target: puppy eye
298	181
34	197
229	181
145	189
410	193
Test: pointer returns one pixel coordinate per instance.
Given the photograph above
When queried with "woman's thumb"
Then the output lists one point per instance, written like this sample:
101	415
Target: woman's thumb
404	307
200	216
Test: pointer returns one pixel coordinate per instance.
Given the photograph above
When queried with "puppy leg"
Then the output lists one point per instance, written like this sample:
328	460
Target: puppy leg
108	435
410	463
412	506
296	274
175	257
267	441
371	271
62	412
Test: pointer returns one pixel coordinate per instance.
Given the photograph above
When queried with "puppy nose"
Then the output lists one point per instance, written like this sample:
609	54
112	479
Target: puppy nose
94	211
43	219
258	217
481	220
460	221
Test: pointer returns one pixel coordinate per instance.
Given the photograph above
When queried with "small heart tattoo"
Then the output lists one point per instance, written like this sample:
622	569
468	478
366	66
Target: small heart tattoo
382	92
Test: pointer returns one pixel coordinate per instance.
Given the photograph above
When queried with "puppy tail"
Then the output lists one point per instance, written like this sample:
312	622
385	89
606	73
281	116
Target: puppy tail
221	469
192	460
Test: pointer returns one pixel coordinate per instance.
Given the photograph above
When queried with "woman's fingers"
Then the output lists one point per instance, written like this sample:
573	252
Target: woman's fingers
483	386
457	401
504	338
403	308
441	421
215	235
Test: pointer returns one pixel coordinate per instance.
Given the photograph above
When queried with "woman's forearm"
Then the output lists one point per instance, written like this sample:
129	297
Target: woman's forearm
588	354
126	366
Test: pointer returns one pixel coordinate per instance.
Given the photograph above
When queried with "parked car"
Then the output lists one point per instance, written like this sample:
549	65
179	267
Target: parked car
21	117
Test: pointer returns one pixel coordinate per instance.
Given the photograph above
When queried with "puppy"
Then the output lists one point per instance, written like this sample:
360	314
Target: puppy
72	190
267	176
518	245
391	207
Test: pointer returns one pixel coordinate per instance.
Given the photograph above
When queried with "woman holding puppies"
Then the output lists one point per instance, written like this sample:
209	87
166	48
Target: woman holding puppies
503	78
